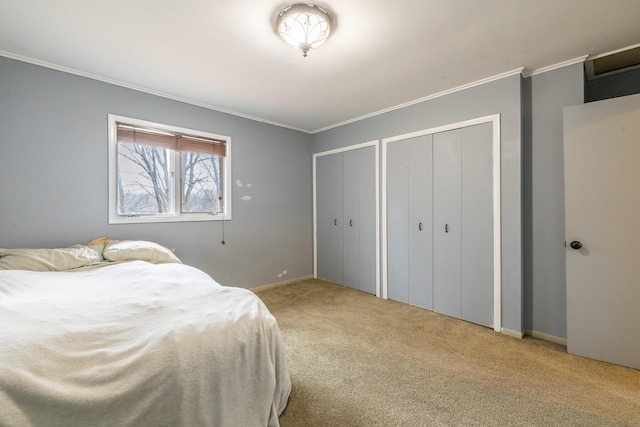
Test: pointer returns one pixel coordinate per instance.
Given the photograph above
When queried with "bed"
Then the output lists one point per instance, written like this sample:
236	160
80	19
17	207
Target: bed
137	340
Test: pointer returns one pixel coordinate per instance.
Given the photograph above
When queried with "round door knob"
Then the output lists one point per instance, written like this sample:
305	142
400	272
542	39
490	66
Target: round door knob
575	244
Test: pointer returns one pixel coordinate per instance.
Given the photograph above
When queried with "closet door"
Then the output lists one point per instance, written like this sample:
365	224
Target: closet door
351	181
477	224
359	219
368	226
409	218
329	214
398	220
421	221
463	223
447	233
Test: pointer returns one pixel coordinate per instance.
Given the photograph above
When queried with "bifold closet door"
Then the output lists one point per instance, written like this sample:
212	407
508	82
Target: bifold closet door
358	171
421	222
346	218
329	214
477	224
409	221
398	220
447	233
463	223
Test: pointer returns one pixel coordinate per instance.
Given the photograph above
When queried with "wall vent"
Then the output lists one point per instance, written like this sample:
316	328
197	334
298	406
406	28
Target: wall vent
615	63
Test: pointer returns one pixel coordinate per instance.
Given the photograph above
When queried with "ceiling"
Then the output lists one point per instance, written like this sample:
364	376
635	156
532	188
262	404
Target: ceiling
224	54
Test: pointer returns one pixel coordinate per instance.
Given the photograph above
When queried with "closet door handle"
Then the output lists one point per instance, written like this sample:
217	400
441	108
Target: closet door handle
446	228
420	226
335	221
350	223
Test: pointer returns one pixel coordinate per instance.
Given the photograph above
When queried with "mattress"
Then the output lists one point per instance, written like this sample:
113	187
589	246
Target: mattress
137	344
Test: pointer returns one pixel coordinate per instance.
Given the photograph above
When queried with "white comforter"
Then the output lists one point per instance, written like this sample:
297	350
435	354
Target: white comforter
137	344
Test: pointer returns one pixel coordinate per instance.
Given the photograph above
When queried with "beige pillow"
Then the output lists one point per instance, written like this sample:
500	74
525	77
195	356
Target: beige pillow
58	259
131	250
98	245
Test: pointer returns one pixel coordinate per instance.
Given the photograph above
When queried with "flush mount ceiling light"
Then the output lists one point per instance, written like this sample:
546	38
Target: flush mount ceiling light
304	26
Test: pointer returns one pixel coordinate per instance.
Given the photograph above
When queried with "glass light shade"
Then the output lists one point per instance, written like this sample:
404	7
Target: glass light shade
304	26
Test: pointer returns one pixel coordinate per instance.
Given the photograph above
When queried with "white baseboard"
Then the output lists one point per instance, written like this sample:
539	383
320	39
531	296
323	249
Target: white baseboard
278	284
546	337
515	334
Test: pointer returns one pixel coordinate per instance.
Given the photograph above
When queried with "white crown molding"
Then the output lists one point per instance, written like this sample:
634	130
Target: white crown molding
424	99
552	67
142	89
522	71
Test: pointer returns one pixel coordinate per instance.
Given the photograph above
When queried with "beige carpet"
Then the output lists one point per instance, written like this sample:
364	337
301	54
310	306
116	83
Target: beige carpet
357	360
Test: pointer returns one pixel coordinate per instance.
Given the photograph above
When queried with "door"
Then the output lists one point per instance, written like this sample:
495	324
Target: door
421	221
463	223
602	202
351	203
477	224
346	218
398	220
358	171
447	232
409	221
329	211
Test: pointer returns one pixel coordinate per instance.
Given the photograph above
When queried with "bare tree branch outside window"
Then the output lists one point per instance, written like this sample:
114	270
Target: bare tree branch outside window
201	189
144	181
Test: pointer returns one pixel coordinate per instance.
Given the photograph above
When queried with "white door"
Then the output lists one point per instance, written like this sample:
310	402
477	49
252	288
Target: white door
602	202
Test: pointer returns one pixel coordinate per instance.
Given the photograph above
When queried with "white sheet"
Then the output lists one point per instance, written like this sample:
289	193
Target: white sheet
137	344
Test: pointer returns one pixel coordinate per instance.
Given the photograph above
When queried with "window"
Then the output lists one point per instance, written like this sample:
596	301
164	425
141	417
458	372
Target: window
161	173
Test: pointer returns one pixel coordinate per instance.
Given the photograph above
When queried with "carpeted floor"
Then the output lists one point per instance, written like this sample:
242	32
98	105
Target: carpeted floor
357	360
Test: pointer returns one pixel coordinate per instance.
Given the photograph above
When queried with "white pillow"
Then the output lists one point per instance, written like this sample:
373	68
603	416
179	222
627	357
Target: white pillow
58	259
131	250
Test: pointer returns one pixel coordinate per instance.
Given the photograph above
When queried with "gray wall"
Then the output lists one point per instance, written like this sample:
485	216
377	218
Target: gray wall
53	177
545	95
620	84
498	97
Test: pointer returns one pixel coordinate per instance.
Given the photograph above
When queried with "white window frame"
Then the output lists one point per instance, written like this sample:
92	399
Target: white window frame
177	215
